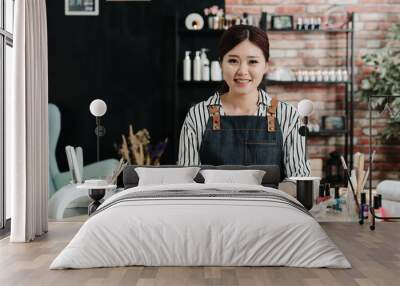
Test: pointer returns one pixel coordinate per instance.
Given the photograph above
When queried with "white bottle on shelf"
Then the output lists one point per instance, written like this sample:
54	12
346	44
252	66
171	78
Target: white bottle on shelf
312	75
205	66
345	75
197	67
325	75
332	75
216	72
319	75
187	67
306	75
339	75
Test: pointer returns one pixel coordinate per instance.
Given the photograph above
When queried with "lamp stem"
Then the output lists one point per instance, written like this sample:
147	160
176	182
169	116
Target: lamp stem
305	138
98	137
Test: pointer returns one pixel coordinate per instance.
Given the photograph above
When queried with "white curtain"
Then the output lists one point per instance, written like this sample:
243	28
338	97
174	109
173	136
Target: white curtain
26	123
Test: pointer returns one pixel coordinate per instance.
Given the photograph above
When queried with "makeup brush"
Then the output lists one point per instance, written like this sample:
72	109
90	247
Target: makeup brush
351	184
365	178
119	172
360	173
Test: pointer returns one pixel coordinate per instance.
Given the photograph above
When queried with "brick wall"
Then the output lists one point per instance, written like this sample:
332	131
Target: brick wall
372	20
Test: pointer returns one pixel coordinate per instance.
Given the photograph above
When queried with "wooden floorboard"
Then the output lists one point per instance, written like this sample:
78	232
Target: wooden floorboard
374	255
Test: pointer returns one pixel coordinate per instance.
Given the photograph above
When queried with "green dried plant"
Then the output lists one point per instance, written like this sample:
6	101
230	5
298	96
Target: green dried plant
384	80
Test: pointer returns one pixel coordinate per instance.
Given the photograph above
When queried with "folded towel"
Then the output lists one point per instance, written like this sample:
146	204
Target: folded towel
389	189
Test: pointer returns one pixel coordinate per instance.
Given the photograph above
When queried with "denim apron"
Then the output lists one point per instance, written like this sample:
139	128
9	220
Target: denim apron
242	140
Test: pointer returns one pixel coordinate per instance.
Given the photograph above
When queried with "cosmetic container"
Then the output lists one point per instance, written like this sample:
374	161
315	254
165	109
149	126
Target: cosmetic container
327	190
186	67
318	23
205	66
237	21
377	207
345	75
318	75
299	75
332	75
325	75
299	25
306	76
250	20
351	205
312	24
312	75
216	73
264	21
338	200
197	67
215	22
364	206
321	194
339	76
306	23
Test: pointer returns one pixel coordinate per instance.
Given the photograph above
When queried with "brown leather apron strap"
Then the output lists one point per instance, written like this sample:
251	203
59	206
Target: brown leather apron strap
271	115
215	116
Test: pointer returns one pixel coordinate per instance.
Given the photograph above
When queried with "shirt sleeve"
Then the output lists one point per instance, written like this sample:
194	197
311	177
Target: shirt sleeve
294	152
188	153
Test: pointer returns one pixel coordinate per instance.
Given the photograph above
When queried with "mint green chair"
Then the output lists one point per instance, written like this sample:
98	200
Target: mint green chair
59	179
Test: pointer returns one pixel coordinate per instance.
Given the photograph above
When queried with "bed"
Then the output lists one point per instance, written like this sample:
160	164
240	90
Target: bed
198	224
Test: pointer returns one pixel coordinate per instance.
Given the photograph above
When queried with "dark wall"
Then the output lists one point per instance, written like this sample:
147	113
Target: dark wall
124	56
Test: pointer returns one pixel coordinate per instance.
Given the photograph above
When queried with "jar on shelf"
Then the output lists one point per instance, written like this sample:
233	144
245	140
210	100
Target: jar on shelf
299	75
318	75
325	75
312	75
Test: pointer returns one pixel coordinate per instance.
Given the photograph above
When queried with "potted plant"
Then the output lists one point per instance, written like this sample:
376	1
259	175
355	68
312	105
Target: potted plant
383	79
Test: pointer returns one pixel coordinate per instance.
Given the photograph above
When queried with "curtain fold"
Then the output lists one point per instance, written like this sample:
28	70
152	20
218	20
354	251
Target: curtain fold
27	123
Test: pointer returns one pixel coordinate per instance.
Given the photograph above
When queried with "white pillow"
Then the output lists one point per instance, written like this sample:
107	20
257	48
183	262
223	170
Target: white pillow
164	176
248	177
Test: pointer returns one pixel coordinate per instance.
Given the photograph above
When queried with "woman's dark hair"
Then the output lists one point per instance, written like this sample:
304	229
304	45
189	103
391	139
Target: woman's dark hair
237	34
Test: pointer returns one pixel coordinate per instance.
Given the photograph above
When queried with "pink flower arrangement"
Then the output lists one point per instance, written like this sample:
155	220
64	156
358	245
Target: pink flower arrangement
213	10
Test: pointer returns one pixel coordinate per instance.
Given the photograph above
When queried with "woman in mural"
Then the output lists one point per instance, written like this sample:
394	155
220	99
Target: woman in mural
241	124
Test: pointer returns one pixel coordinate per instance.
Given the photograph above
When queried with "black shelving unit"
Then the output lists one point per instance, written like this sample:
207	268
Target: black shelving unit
188	93
371	163
328	133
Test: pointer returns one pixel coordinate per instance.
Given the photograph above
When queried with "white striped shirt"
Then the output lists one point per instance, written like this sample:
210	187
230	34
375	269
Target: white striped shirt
288	118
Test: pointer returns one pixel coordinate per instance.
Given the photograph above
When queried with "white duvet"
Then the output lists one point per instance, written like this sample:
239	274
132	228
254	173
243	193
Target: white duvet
200	231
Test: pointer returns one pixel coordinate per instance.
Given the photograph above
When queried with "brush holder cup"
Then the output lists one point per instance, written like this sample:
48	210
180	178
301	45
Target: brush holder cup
304	193
307	190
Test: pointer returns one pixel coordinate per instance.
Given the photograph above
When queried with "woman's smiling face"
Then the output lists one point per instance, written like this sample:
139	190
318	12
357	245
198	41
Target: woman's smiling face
243	68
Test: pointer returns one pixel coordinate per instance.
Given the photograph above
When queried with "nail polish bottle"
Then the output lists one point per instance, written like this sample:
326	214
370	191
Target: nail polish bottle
364	206
338	201
327	191
321	194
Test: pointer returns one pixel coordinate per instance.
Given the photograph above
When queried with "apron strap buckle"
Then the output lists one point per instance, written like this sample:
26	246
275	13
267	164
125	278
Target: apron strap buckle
271	115
216	116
